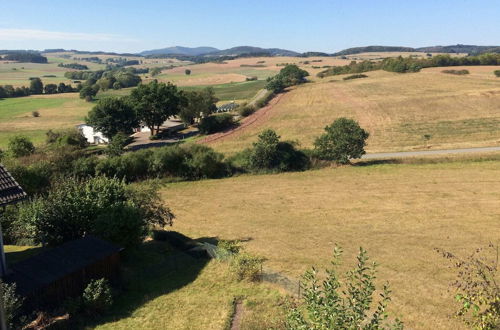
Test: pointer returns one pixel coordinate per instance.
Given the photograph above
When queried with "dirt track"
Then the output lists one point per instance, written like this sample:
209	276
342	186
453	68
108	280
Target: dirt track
256	118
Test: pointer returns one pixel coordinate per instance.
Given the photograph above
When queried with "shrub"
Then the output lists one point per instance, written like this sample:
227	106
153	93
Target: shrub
341	303
497	73
117	143
84	167
97	296
344	139
355	76
12	304
67	137
187	72
35	114
246	110
457	72
247	266
20	146
74	208
251	78
215	123
203	162
268	153
478	293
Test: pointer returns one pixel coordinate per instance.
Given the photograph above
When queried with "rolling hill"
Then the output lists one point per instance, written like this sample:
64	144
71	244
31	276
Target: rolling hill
179	50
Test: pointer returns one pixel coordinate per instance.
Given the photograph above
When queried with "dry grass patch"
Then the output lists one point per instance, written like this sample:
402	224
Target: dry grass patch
397	110
399	213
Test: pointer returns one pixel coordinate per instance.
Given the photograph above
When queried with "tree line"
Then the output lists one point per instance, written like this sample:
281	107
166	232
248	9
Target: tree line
409	64
24	56
36	87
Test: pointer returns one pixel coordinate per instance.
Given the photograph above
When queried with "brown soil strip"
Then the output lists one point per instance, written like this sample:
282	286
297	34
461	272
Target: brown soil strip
257	117
238	315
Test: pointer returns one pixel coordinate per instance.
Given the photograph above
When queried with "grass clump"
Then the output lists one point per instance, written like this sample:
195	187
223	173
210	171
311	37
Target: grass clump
355	76
456	72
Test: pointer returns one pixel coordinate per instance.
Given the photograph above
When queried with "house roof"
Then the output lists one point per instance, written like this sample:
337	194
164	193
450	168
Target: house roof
47	267
10	190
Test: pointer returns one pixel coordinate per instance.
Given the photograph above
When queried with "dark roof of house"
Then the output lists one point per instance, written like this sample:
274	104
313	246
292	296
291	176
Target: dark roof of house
10	190
47	267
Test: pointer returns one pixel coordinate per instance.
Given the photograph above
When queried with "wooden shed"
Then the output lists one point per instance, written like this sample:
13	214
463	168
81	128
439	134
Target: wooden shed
50	277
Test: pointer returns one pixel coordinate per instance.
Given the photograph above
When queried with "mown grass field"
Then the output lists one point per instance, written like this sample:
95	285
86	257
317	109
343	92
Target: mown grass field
396	109
56	111
399	213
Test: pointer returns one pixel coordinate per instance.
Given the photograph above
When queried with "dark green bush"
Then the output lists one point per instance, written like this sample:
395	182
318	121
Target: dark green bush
270	154
12	304
66	137
203	162
216	123
20	146
497	73
97	296
246	110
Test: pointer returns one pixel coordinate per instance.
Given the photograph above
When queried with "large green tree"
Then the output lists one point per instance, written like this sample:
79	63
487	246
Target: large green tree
198	104
113	115
156	102
343	140
36	86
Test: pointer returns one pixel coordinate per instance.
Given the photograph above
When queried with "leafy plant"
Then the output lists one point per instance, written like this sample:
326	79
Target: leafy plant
20	146
246	266
12	304
97	296
477	286
342	304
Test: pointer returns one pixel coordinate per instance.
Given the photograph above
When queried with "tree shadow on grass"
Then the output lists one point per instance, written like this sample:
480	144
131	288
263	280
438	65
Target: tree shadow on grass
371	162
152	270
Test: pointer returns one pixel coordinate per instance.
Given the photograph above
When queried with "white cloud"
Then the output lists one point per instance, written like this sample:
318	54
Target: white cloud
32	34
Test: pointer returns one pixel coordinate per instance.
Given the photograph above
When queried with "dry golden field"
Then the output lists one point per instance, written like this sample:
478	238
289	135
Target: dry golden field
399	213
397	110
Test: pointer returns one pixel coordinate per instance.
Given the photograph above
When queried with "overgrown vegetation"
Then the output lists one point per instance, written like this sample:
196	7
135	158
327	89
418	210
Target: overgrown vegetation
477	287
342	303
216	123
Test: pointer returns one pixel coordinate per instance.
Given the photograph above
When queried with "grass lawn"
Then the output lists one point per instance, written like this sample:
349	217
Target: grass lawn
397	110
242	91
399	213
56	111
186	294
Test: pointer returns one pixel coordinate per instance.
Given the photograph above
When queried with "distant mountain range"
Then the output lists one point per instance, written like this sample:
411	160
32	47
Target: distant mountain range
198	51
240	50
179	50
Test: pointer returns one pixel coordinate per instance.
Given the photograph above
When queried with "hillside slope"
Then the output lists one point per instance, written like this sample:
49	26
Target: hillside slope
397	110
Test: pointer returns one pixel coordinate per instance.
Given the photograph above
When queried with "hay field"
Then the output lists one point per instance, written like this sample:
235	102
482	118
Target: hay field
233	71
56	111
381	55
397	110
399	213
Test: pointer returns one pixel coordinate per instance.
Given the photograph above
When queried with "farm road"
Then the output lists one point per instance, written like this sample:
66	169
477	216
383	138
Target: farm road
428	152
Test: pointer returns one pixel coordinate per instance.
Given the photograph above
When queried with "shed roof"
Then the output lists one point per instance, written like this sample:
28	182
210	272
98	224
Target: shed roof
47	267
10	190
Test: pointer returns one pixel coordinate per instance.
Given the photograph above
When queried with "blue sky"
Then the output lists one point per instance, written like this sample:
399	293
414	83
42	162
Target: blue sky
322	25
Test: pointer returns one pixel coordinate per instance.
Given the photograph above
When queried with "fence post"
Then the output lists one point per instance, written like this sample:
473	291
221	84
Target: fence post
299	289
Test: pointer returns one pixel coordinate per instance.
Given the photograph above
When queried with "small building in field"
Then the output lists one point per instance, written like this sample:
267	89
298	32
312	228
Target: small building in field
92	136
50	277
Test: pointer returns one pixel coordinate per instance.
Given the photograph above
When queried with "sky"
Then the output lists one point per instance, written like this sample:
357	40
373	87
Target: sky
321	25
